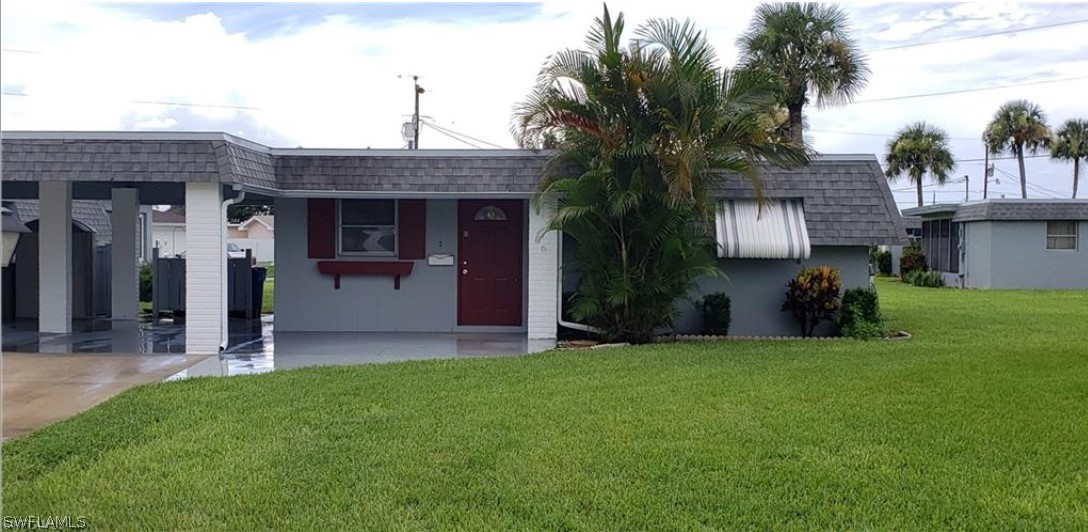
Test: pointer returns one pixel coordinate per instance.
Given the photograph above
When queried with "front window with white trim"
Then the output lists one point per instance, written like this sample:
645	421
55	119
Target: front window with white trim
368	227
1061	235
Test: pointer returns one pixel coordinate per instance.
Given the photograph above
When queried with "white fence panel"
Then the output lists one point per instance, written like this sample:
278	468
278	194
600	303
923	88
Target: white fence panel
264	249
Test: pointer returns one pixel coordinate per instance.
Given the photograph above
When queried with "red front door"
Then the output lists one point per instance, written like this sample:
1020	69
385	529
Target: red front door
489	262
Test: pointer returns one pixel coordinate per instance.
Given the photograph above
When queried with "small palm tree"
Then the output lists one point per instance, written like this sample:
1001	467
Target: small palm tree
809	47
1070	143
651	122
917	149
1019	125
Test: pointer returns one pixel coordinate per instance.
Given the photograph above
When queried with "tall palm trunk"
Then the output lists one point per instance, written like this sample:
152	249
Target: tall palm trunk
796	118
1076	176
986	173
1019	149
918	181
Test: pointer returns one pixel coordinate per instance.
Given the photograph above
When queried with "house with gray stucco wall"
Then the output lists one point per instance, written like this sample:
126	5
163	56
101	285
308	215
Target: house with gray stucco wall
1007	243
422	240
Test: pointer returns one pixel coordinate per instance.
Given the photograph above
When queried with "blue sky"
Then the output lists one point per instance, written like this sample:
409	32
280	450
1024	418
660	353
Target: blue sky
336	75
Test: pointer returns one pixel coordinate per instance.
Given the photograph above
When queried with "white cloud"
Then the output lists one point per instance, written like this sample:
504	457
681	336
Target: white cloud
334	83
157	123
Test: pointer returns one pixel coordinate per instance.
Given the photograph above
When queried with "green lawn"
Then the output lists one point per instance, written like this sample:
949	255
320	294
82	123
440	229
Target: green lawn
268	303
979	422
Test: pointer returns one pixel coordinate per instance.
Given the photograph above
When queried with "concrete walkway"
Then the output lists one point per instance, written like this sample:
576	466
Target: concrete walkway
39	389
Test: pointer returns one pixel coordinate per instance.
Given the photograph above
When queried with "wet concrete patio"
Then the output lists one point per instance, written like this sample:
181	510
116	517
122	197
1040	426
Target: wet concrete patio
255	347
47	377
123	336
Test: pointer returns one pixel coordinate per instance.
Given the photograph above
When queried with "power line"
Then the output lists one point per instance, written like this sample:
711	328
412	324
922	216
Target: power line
159	102
453	137
1008	158
470	137
979	35
1038	189
883	135
962	91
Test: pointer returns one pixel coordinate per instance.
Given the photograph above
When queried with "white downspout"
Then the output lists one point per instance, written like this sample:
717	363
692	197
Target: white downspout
559	298
224	334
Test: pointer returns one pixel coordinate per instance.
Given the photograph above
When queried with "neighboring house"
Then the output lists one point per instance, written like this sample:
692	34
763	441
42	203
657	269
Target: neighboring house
168	228
913	226
91	235
256	234
1007	243
440	240
260	227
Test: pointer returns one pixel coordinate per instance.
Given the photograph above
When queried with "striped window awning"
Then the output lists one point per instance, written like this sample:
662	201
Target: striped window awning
777	231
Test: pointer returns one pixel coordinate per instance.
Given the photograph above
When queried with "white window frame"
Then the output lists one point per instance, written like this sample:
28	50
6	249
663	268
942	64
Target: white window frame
340	231
1047	236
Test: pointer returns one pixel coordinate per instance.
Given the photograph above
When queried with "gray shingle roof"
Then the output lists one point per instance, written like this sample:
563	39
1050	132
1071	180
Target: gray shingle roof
1006	209
109	160
1022	210
846	199
92	213
444	174
167	217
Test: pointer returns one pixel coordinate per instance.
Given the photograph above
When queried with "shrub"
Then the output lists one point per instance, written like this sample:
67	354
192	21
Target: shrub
884	263
146	278
860	317
716	314
863	330
813	296
930	279
913	260
860	304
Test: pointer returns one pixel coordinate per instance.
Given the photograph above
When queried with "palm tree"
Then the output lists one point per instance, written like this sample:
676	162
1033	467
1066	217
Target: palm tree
917	149
809	47
1070	143
650	124
1018	125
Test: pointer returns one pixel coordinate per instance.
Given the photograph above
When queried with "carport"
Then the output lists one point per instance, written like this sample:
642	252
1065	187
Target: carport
203	171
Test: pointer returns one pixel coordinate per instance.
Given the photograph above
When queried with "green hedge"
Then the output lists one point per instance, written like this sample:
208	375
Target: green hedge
717	313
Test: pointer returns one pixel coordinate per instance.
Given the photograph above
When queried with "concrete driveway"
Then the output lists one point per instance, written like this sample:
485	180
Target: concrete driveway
39	389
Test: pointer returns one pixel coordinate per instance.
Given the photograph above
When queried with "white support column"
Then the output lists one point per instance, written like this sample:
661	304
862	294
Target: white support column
55	257
542	319
124	217
204	263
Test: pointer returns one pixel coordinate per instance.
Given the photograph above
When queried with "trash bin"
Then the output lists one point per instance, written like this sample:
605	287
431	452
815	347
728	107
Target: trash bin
259	275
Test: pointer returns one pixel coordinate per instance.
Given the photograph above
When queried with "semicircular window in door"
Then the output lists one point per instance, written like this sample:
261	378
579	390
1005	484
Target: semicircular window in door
490	213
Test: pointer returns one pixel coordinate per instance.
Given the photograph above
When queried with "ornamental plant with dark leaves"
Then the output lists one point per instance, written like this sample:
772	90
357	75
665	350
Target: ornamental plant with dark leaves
645	122
813	297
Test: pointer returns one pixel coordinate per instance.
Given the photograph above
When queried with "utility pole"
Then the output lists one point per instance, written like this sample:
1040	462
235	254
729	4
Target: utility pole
415	118
986	166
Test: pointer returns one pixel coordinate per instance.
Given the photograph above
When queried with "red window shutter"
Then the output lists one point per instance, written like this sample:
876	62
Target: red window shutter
321	228
412	229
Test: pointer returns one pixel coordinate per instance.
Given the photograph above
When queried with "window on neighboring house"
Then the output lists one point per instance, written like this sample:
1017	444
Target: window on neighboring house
1061	235
368	227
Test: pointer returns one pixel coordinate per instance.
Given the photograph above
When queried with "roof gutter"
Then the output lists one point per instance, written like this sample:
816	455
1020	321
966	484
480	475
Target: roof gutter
377	194
224	335
559	299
